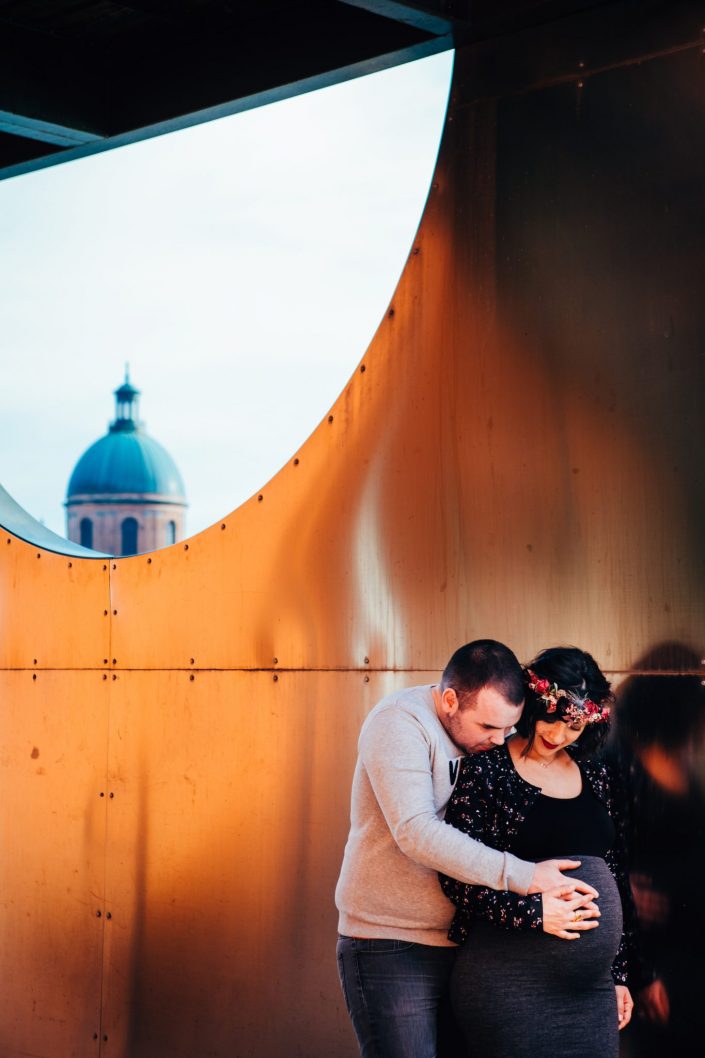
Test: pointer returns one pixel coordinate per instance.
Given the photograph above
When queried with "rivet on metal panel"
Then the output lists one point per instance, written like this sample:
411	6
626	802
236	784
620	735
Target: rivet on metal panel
105	675
105	661
99	914
104	566
70	565
114	565
95	1035
296	462
34	660
9	539
222	525
275	677
581	84
367	661
111	795
192	660
105	1039
109	914
105	613
390	313
114	613
34	675
434	187
416	250
39	554
366	679
149	562
260	498
192	677
114	661
101	794
275	661
114	675
362	369
330	418
185	547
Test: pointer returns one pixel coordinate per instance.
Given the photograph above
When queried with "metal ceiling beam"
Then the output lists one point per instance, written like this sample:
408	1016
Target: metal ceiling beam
45	131
167	80
235	105
430	17
50	93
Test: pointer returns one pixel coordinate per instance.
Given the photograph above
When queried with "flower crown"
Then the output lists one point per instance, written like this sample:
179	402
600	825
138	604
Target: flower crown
575	709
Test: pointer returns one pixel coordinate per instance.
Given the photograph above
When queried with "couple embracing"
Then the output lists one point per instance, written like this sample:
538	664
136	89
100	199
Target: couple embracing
470	800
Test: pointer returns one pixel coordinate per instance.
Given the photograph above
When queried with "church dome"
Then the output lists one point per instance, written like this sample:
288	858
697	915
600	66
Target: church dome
126	461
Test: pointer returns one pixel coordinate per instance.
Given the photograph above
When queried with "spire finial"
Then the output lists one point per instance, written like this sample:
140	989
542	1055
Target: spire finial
126	406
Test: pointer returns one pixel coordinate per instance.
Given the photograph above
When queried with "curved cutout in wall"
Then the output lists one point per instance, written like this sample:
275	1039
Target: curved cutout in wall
234	264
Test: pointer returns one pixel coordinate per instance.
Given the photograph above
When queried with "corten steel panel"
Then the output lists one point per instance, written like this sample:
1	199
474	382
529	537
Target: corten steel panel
53	737
54	609
522	455
224	839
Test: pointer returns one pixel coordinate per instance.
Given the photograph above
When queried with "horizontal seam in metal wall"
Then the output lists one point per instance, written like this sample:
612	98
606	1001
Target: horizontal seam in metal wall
579	75
332	669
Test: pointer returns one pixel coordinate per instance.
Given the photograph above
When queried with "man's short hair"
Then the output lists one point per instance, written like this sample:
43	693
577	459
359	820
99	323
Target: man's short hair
484	663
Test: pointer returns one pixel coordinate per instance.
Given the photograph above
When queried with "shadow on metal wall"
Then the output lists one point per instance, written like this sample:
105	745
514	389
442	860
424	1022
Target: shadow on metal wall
517	456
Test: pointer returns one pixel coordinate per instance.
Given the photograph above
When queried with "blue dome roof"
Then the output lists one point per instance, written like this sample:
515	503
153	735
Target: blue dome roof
126	461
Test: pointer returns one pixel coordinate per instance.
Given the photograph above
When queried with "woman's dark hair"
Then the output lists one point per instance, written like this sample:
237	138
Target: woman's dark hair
484	663
575	671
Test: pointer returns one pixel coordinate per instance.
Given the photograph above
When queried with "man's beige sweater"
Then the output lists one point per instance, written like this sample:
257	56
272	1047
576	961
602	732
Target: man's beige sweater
398	841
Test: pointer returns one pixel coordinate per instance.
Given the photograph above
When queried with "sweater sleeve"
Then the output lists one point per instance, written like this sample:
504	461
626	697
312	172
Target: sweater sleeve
467	811
395	751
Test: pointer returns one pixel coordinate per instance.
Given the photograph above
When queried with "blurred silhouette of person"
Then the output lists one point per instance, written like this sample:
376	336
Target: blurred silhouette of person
657	737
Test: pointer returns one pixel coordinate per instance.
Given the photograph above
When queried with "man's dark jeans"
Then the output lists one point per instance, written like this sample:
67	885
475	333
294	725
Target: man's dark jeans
395	991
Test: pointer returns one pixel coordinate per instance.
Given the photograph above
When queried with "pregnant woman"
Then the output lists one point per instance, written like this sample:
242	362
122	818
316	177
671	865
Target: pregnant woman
518	992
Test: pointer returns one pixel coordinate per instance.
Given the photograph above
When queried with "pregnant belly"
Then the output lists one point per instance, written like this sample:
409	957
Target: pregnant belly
560	964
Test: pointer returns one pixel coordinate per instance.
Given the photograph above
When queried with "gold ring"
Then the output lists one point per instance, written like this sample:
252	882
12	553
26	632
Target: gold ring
577	916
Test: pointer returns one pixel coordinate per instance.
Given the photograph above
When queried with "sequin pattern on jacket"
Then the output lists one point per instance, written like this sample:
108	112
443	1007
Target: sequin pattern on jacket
490	802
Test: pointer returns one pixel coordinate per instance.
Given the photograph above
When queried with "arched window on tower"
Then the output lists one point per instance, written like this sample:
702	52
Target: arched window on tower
86	532
170	533
129	536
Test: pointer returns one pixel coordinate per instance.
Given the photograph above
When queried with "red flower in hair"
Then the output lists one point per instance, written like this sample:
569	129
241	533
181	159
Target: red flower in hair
574	708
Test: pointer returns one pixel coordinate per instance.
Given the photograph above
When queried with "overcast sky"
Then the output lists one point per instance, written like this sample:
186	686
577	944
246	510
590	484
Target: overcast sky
241	267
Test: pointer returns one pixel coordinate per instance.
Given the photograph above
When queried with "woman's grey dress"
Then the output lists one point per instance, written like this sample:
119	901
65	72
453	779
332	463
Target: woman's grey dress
527	994
518	992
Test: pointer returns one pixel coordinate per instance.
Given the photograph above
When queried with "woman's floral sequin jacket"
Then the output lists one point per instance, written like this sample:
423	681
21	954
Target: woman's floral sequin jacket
490	802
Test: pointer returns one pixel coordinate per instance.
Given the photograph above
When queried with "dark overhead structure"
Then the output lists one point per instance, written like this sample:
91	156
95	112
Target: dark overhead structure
81	76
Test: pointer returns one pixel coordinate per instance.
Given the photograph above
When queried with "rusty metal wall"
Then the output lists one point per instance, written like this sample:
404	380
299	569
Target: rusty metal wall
519	455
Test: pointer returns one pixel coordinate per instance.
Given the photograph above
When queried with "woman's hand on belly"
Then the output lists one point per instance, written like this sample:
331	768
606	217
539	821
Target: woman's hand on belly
567	914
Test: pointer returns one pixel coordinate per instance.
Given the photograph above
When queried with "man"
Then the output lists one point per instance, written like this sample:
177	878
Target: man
394	955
